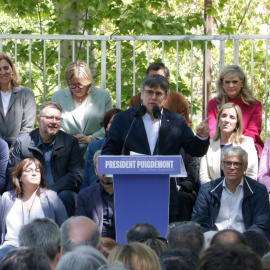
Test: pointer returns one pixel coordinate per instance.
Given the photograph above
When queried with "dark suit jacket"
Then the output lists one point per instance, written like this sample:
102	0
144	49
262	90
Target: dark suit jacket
174	134
89	204
66	160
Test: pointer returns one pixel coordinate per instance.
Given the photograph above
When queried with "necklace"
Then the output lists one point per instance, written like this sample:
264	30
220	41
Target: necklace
81	100
28	211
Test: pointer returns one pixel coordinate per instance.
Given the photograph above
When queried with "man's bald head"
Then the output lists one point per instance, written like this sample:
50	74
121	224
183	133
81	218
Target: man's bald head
77	231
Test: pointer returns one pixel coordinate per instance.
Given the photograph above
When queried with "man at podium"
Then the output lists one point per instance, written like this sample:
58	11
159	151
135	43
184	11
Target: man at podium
150	129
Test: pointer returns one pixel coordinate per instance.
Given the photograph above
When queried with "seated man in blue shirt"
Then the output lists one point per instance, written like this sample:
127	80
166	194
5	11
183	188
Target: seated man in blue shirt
58	152
97	202
234	201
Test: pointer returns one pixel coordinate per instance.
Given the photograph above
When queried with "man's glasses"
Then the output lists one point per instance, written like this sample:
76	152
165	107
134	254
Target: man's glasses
51	118
30	170
229	164
150	93
74	86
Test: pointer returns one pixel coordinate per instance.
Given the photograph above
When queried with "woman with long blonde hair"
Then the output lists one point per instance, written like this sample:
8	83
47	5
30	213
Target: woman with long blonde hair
229	132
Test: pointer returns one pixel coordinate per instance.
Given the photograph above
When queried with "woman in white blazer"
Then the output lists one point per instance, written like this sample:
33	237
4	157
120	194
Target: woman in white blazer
229	132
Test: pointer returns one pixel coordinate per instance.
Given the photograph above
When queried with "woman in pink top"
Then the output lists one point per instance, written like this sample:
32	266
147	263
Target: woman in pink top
232	87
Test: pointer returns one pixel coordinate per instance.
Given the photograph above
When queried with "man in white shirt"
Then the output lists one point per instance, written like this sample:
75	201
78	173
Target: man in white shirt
234	201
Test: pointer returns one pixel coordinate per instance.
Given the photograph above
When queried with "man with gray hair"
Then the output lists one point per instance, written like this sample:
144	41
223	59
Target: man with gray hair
234	201
186	235
58	152
78	231
97	202
42	233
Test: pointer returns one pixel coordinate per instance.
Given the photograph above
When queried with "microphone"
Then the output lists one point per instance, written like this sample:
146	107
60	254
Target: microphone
157	115
156	112
138	114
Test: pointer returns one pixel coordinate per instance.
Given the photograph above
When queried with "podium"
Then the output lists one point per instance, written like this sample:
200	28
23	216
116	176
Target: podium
141	189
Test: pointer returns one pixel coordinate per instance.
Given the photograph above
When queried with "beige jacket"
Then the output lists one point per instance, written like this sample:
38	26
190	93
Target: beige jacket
210	163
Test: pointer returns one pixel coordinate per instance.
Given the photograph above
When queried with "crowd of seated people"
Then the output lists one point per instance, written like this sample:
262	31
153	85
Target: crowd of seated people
77	244
41	171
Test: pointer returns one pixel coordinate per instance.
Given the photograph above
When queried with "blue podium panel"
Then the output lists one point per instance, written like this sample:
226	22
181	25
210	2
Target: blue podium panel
141	198
141	189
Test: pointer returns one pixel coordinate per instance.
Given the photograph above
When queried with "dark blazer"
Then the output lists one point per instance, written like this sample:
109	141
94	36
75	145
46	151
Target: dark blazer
66	160
89	204
255	205
174	134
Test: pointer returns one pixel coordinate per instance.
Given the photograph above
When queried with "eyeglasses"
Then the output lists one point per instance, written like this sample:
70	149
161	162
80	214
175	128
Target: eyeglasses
181	223
150	93
74	86
236	165
51	118
229	82
30	170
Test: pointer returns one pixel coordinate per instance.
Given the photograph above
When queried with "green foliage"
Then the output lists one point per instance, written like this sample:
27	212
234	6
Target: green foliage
132	17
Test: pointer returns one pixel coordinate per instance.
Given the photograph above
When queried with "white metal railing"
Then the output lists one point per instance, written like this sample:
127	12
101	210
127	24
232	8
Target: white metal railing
221	39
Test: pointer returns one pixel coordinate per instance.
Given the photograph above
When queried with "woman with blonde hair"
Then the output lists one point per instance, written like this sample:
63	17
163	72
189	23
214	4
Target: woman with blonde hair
84	105
17	103
229	132
135	256
28	199
232	87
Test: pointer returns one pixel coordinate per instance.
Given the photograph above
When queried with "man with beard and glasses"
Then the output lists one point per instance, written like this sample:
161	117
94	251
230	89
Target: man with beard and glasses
58	152
97	202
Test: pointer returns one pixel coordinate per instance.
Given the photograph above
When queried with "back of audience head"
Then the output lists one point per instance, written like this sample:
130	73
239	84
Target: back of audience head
25	258
113	266
228	256
135	256
156	67
141	231
229	236
83	258
108	245
108	117
159	245
266	264
78	231
44	234
186	235
257	242
179	259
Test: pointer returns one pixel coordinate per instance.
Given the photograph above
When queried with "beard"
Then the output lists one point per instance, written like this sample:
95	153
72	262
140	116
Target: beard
51	130
106	180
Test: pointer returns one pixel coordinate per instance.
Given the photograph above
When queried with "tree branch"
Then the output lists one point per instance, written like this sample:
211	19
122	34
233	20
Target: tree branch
244	15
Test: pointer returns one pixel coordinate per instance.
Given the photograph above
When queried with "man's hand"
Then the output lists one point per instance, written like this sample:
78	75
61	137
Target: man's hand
203	129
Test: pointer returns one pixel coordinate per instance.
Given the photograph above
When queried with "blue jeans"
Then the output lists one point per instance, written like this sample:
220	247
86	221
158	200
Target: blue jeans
4	249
